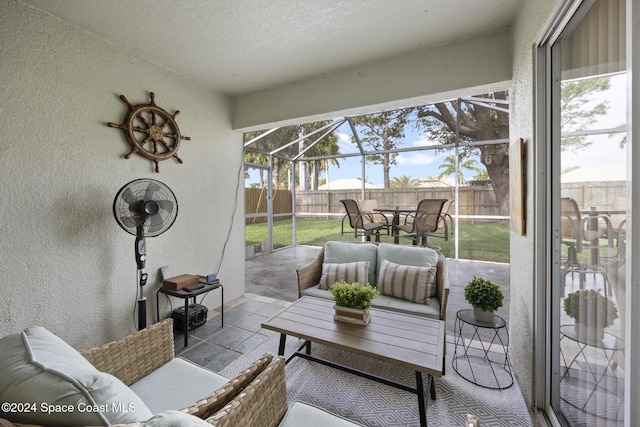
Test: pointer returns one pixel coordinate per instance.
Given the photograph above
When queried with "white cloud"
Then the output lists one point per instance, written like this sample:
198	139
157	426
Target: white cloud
343	138
416	159
422	142
344	143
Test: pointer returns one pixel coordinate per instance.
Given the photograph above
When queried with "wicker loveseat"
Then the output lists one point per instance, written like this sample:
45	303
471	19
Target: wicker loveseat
256	397
263	403
140	369
335	255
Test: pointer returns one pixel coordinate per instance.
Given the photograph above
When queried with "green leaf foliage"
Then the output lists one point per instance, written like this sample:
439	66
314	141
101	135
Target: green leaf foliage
589	304
353	295
483	294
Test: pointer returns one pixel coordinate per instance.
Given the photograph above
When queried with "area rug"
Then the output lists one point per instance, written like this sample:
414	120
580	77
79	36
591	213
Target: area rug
374	404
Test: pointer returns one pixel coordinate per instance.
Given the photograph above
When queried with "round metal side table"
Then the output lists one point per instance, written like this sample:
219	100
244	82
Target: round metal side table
591	381
481	352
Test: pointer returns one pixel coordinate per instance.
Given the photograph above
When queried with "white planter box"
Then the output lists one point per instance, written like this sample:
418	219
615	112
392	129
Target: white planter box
352	315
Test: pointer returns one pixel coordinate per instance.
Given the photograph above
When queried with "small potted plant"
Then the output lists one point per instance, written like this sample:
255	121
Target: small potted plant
353	301
485	297
592	312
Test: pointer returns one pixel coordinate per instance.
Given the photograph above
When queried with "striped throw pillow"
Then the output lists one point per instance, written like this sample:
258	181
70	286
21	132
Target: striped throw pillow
406	281
346	272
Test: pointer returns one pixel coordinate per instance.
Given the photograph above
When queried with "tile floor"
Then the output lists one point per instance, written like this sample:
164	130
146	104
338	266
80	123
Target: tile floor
215	347
271	285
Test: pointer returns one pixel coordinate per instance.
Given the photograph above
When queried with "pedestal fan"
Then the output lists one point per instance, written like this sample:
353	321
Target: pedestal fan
145	208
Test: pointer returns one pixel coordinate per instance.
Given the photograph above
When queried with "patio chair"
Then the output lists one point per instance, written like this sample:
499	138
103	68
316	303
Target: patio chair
583	233
446	220
363	223
369	205
424	223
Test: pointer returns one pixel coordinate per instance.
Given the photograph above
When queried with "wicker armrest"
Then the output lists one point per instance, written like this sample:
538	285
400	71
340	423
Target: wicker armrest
136	355
211	404
221	397
442	285
263	403
309	274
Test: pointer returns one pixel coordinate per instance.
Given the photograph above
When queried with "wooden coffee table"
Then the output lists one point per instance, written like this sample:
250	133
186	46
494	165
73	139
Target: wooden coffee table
416	343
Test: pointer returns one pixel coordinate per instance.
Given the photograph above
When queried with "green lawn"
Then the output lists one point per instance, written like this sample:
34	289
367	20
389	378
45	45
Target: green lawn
481	241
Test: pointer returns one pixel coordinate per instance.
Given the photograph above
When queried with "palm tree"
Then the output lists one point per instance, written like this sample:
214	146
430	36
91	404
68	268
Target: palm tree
449	166
256	152
405	181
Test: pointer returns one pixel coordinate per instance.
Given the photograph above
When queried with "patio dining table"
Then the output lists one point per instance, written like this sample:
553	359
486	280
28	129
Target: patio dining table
593	233
595	218
397	211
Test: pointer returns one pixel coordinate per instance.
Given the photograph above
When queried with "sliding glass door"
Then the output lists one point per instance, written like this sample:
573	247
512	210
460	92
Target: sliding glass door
589	204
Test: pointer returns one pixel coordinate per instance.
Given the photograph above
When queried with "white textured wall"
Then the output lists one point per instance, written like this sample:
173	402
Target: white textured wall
531	21
64	261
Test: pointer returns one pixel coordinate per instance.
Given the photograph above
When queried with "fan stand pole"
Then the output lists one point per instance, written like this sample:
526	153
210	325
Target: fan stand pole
141	257
142	301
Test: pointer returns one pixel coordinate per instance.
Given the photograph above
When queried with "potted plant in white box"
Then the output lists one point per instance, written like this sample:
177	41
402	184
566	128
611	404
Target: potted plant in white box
353	301
485	297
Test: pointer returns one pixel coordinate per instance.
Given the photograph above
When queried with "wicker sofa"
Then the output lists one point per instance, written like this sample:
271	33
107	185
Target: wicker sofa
310	275
143	362
263	403
256	397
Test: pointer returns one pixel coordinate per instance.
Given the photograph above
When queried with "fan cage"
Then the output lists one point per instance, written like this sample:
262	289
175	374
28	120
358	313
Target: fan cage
132	196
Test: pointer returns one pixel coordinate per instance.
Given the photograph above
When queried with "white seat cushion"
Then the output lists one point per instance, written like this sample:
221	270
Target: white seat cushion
159	389
173	418
303	414
432	310
38	367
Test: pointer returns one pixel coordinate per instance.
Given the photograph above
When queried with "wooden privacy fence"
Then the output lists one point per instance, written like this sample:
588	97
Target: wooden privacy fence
602	194
255	204
472	200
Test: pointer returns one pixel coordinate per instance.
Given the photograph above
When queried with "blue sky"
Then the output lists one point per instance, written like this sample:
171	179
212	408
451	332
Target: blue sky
604	151
416	164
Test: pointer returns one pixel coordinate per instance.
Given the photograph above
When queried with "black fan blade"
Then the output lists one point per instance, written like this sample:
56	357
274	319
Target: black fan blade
151	190
166	205
131	221
156	223
128	197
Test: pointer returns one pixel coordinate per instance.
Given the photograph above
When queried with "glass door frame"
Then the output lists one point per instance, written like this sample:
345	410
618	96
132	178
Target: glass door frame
547	247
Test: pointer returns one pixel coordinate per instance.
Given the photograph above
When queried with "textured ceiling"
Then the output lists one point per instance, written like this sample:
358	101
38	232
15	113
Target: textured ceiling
244	46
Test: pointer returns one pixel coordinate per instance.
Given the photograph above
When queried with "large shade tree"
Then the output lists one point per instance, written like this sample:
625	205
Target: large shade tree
382	132
579	109
479	123
476	123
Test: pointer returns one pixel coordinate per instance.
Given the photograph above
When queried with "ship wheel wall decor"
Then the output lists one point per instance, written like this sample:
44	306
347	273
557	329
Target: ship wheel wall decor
151	131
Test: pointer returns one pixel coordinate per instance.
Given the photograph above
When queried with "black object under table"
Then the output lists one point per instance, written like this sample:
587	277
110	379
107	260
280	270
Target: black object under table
186	296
